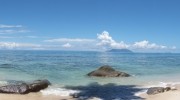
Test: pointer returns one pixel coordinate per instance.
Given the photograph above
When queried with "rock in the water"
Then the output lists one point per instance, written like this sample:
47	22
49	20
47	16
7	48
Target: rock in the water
25	88
38	85
107	71
156	90
16	89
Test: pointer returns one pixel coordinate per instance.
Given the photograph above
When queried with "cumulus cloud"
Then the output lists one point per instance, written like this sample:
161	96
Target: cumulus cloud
67	45
10	26
106	41
147	45
14	45
69	40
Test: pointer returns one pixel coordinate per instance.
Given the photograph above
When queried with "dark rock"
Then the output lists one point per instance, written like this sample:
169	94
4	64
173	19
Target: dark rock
155	90
38	85
16	89
75	95
25	88
167	89
107	71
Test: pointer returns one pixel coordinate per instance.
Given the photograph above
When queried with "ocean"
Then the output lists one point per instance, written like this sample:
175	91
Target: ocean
69	68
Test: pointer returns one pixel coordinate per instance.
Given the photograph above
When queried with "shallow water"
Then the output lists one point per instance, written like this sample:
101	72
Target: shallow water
64	68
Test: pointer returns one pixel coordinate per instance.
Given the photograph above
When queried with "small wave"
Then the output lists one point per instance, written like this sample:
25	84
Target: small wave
58	91
164	84
6	66
3	83
140	92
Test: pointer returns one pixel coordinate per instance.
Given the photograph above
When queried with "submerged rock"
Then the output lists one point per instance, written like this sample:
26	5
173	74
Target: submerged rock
107	71
25	88
156	90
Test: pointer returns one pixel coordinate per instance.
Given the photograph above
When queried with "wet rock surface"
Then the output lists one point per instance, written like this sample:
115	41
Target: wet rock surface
25	88
107	71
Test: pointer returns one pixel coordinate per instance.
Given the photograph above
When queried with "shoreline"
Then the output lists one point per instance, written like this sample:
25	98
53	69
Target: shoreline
173	94
169	95
33	96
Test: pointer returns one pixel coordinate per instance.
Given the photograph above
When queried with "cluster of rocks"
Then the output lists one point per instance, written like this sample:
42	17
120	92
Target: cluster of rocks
103	71
24	88
156	90
108	71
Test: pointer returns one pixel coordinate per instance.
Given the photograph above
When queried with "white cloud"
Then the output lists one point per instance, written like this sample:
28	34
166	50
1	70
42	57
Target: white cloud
10	26
147	45
106	41
11	31
103	42
67	45
69	40
14	45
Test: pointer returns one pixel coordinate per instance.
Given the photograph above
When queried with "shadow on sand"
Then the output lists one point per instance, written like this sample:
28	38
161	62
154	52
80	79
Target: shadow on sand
107	92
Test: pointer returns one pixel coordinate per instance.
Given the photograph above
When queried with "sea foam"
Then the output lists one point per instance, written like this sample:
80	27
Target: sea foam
3	83
58	91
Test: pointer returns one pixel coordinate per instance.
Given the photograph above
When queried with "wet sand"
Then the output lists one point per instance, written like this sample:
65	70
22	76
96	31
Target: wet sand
32	96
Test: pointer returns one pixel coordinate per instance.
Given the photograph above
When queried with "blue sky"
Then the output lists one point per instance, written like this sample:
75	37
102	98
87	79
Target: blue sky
139	25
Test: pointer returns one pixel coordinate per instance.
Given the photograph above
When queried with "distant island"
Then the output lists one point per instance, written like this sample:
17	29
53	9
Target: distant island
120	50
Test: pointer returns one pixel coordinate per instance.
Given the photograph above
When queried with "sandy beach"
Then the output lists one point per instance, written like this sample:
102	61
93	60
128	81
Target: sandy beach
169	95
32	96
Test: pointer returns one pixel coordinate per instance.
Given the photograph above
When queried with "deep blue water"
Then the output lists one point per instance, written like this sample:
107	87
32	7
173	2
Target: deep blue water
70	67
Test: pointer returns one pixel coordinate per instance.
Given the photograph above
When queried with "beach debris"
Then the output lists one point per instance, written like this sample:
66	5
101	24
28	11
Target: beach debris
156	90
25	88
107	71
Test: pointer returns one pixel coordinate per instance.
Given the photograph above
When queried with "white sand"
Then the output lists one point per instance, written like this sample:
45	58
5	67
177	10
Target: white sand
32	96
170	95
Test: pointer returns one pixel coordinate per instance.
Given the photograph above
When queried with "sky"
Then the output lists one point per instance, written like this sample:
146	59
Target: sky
90	25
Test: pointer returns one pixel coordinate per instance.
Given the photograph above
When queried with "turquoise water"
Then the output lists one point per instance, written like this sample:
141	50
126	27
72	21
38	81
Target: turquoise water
70	67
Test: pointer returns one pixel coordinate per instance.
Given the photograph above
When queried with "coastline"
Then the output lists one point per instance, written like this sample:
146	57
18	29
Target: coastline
169	95
33	96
